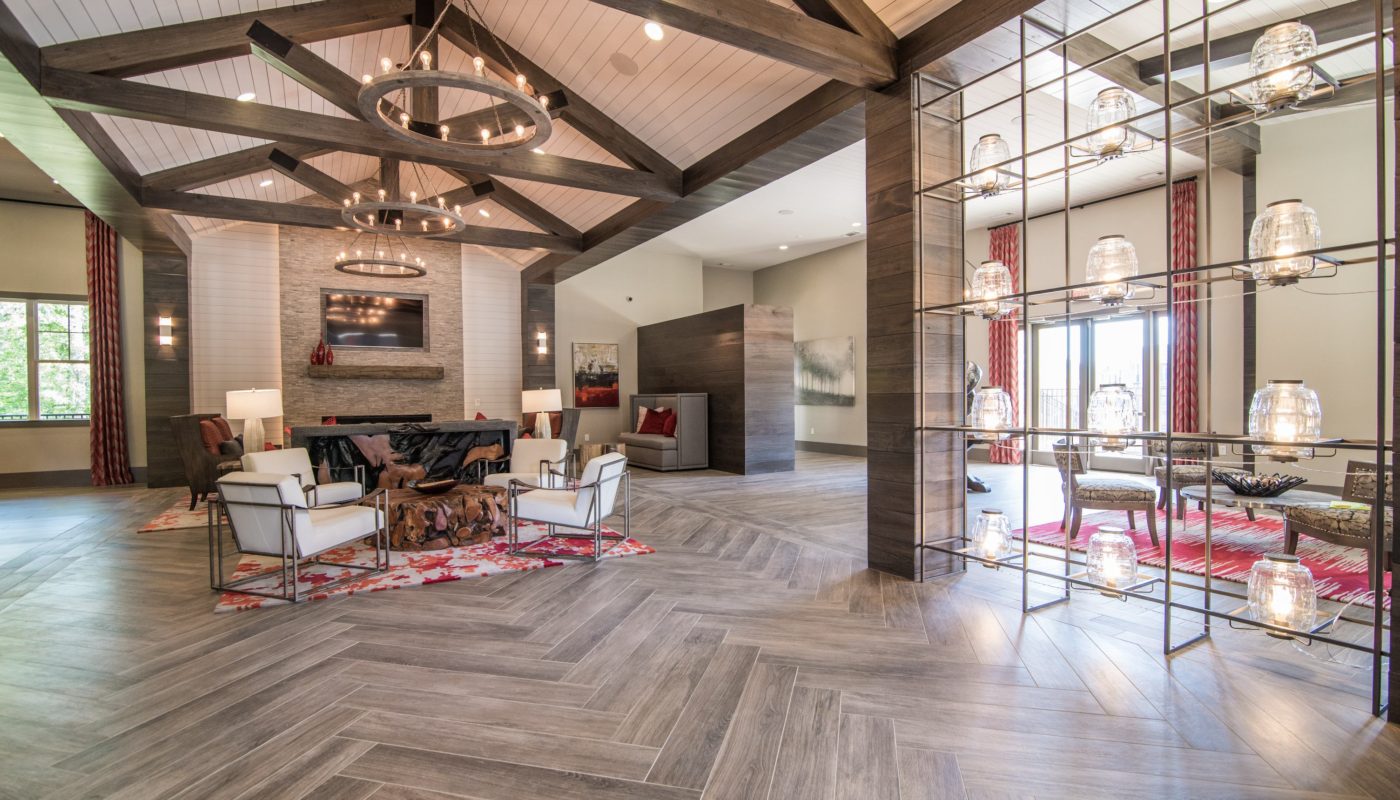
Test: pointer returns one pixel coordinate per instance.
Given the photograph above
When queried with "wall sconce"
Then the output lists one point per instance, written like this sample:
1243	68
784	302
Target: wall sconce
1111	560
165	335
542	343
1285	411
1282	593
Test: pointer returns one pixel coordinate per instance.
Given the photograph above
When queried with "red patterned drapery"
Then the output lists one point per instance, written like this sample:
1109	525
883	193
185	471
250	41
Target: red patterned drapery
1002	367
111	463
1185	415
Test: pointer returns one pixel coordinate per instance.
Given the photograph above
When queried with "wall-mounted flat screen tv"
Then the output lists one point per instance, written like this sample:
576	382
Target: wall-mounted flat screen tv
380	321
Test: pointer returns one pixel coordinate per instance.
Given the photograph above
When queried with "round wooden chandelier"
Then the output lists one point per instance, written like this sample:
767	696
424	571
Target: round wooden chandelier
385	100
411	218
382	257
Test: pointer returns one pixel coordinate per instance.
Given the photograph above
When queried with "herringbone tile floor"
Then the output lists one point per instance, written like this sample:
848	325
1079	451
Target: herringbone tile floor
753	656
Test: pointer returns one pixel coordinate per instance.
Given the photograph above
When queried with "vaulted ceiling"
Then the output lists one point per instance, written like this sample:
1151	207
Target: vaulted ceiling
641	125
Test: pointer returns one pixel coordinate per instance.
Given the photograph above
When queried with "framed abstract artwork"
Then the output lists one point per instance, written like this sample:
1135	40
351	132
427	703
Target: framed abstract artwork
826	371
595	375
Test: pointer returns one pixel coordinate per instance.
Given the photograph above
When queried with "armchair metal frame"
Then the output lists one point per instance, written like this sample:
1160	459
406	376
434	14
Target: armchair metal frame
546	467
309	489
289	566
593	518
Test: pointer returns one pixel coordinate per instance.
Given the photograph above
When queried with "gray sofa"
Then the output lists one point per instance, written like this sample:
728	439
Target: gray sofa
688	449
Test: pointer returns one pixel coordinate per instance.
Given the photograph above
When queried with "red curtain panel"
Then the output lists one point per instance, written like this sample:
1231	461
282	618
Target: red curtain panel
1185	416
1002	369
111	463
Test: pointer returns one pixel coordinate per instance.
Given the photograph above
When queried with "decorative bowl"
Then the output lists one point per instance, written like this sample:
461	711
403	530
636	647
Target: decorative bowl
1258	485
433	486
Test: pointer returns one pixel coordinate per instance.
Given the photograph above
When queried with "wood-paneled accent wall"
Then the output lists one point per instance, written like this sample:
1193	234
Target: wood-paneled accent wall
742	357
536	315
166	291
914	255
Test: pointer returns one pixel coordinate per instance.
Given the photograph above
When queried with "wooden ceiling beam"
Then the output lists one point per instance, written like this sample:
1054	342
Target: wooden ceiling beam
305	67
309	216
95	93
853	15
1330	25
474	40
188	43
227	167
776	32
308	176
518	204
955	27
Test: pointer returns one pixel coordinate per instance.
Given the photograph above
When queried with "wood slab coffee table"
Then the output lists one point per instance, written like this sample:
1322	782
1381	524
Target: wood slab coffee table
463	515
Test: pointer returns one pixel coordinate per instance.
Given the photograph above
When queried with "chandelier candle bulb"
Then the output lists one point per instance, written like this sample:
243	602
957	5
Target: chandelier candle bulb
1111	560
1112	261
479	64
1285	411
1282	592
520	82
385	64
427	59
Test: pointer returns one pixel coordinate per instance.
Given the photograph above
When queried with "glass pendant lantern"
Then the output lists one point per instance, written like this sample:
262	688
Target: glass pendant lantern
1108	116
1111	560
1279	81
1112	261
991	281
991	535
991	412
1285	228
1282	593
1113	414
1285	411
987	178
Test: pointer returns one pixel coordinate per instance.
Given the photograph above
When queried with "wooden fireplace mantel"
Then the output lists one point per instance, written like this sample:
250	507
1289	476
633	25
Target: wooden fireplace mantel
373	372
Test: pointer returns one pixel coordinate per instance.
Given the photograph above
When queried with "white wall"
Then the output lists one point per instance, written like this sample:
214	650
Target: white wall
490	335
826	293
606	304
235	318
727	287
45	253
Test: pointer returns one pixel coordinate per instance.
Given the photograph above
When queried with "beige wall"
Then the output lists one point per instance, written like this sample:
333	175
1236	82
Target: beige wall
45	253
606	304
826	293
727	287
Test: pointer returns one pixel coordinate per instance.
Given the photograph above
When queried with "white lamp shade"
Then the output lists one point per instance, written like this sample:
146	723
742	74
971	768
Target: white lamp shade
534	401
254	403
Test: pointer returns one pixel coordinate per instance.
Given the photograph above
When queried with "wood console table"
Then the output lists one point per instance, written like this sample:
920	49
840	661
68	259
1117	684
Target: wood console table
394	453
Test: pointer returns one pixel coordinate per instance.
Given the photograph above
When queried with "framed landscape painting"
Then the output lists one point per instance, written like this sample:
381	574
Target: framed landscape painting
826	371
595	375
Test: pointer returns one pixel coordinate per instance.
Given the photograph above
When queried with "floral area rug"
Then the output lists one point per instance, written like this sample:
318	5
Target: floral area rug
1236	543
416	568
178	517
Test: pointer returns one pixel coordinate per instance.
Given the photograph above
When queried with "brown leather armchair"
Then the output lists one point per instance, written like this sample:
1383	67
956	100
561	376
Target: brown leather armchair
201	466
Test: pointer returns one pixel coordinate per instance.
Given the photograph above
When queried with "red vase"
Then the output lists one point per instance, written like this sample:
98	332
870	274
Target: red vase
318	356
330	355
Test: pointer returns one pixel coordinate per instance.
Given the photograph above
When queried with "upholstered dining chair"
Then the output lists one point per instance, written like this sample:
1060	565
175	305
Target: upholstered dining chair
297	461
268	515
1348	527
1101	494
579	509
1184	475
539	462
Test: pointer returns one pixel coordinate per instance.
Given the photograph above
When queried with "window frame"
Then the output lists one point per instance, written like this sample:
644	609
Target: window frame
31	318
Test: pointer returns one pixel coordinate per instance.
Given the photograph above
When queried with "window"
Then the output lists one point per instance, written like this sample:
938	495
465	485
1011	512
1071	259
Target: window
44	370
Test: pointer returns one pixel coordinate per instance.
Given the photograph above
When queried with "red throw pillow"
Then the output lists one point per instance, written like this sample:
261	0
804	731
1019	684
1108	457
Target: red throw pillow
224	429
642	412
669	429
655	422
209	434
328	421
525	436
480	416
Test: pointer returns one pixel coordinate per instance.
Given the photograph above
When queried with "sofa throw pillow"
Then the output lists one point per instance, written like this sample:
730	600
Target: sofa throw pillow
209	434
655	422
231	448
642	412
224	429
480	416
669	429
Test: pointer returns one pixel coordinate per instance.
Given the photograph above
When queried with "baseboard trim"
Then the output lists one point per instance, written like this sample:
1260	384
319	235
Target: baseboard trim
61	478
832	448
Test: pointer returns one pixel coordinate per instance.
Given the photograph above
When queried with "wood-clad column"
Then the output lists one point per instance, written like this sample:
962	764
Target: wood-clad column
914	255
166	291
1393	713
536	317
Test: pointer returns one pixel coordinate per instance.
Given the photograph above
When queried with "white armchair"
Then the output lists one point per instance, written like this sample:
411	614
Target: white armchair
579	511
537	462
268	516
296	461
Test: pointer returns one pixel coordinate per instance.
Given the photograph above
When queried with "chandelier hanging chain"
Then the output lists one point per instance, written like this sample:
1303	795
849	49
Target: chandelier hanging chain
476	44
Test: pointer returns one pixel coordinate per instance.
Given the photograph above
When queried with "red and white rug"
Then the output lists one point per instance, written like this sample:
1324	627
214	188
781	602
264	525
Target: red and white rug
415	568
1236	543
178	517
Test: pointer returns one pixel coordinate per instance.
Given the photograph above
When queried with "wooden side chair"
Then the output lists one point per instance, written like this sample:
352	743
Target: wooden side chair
1348	527
1101	494
1184	475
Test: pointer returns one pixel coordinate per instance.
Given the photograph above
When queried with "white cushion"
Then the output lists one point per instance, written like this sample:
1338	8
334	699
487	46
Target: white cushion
526	454
503	479
342	492
288	461
558	507
332	527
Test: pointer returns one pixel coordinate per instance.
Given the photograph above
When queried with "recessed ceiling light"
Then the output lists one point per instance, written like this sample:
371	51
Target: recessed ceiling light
483	212
782	247
654	31
246	97
266	183
55	181
538	150
855	224
785	211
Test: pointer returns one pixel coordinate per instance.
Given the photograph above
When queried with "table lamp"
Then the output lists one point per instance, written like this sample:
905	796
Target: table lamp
540	402
253	406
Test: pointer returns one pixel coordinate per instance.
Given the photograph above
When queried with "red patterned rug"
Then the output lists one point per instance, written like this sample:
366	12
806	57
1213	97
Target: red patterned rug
1236	543
416	568
178	517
